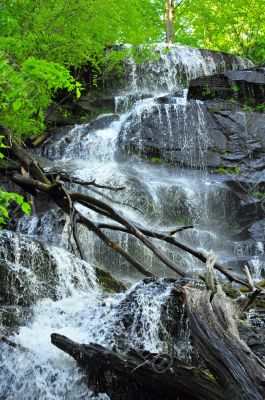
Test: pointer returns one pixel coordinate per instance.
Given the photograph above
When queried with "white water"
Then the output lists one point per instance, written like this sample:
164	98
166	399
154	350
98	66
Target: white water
80	309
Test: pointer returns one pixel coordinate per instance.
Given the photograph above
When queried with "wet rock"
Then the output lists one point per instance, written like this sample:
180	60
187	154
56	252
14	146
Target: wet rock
101	122
13	316
153	310
257	231
47	226
197	135
27	270
30	270
179	64
174	132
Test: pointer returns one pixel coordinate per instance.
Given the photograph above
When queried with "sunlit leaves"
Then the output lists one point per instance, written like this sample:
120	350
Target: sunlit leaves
232	26
5	201
27	90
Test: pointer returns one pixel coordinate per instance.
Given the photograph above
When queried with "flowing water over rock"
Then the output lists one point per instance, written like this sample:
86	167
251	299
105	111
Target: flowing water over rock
45	289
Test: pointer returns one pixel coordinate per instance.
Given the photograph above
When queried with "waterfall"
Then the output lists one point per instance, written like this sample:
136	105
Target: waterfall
47	289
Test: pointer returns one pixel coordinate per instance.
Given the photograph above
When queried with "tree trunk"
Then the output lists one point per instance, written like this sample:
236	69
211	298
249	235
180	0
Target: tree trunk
169	21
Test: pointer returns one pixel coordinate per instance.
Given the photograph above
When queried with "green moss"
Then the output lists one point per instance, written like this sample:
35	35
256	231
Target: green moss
235	88
105	110
260	302
258	195
206	374
182	222
231	292
86	117
156	160
224	170
214	109
249	105
243	322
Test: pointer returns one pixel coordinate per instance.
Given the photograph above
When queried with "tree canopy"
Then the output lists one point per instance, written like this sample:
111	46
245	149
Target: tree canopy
231	26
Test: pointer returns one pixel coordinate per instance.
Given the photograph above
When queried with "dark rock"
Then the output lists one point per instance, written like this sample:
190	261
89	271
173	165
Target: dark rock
22	260
245	86
97	105
257	231
13	316
254	338
172	132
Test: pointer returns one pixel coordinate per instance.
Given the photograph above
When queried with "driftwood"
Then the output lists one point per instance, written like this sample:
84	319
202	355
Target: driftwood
234	372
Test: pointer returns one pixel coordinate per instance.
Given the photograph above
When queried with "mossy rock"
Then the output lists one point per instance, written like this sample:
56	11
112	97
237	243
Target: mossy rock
109	283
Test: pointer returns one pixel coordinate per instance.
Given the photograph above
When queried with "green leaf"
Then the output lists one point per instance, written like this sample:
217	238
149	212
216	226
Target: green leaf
17	104
26	208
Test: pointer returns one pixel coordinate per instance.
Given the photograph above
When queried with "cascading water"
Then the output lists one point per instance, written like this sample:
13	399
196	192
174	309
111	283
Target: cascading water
62	293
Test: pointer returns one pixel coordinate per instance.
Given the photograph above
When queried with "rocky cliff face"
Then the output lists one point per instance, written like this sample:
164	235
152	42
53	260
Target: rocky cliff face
220	125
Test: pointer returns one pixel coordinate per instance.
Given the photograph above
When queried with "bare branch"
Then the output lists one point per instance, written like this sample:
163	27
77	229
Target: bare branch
65	177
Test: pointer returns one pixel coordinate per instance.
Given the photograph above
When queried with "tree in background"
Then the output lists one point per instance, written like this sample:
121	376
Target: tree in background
169	21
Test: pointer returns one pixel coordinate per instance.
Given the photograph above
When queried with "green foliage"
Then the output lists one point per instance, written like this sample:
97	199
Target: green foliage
207	92
156	160
7	197
232	26
40	41
26	91
248	106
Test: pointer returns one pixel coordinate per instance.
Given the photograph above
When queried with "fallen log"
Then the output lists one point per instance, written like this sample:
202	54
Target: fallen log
139	375
234	371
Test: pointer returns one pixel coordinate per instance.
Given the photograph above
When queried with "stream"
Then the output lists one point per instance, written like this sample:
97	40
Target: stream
51	290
